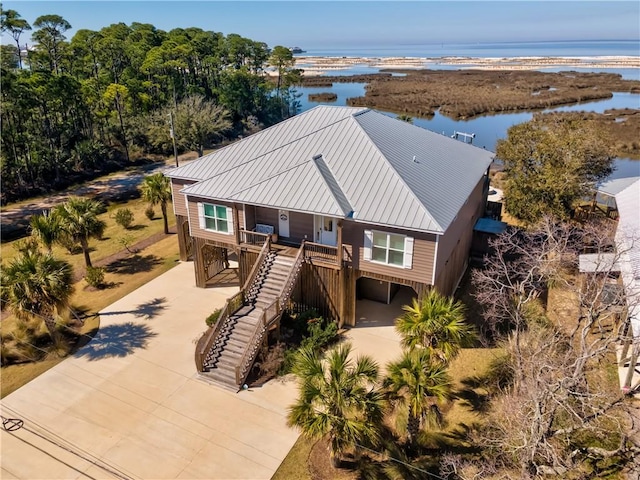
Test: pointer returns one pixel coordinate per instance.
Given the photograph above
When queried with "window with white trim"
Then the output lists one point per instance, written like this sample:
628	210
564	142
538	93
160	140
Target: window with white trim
217	218
388	248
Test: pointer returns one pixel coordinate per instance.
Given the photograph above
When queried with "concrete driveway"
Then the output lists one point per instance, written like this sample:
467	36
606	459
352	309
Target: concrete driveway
129	404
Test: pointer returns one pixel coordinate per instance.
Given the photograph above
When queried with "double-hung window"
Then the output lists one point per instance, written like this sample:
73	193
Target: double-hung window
388	248
216	218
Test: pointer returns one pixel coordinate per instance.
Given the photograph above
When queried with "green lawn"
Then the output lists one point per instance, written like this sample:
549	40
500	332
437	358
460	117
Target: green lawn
113	236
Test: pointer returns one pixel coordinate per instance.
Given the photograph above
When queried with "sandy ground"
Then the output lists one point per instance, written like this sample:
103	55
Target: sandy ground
323	65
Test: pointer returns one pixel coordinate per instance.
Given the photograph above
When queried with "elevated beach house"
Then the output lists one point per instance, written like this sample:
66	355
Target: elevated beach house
334	203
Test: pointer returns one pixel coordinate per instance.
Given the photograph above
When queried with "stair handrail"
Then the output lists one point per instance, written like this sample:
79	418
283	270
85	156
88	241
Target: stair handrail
208	339
256	266
269	314
287	288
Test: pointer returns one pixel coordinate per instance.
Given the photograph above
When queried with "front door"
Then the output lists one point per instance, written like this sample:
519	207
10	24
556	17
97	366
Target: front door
326	230
283	223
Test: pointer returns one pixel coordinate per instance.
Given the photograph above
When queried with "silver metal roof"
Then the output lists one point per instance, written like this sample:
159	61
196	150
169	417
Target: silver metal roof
364	165
628	247
616	185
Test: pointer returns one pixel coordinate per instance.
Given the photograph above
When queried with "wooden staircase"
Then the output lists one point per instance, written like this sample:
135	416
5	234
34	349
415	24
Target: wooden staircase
231	346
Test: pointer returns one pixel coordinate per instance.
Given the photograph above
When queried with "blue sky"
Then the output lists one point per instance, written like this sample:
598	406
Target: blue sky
363	23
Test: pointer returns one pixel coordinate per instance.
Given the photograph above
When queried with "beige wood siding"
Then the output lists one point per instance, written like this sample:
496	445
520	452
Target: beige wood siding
239	208
300	224
194	222
250	215
455	244
267	216
423	252
179	205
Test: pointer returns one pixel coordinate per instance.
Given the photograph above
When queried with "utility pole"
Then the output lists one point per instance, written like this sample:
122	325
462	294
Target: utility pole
173	137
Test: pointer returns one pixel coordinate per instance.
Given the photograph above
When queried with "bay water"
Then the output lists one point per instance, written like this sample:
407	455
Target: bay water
488	129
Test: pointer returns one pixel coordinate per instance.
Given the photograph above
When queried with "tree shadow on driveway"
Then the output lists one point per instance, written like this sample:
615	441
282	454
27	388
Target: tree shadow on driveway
146	310
118	340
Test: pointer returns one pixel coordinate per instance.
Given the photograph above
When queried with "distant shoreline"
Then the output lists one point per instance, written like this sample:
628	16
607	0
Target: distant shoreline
320	65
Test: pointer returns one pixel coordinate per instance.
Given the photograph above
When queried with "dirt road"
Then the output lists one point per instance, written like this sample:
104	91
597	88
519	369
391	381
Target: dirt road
14	220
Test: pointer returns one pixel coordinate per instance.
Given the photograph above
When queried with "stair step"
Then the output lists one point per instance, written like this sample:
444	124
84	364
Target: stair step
270	288
226	369
230	358
231	387
238	344
233	349
284	259
223	377
244	332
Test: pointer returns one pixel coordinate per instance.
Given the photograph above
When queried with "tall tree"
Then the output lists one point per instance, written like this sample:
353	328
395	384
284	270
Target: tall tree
79	220
199	122
37	285
337	397
11	21
156	189
282	59
437	324
50	38
416	385
118	95
8	58
551	163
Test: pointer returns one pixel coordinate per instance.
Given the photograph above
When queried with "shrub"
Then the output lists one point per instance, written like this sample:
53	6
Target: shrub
126	243
213	318
273	360
288	359
124	217
301	322
95	276
150	212
69	244
321	333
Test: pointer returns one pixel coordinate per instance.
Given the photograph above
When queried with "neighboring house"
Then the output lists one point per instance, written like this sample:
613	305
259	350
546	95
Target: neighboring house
626	195
330	202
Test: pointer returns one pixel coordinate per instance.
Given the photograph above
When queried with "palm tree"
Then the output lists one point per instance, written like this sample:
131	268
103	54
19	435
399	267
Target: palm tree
415	386
437	324
156	190
338	398
46	228
79	220
37	285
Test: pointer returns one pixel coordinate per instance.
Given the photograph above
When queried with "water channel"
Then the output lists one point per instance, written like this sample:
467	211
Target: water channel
487	128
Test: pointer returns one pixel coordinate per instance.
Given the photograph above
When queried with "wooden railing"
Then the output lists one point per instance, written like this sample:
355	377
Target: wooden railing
290	282
253	238
269	315
346	255
324	253
231	306
248	284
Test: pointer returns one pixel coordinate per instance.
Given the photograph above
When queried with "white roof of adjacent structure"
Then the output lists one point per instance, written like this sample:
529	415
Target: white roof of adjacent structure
616	185
628	246
345	162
